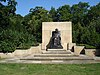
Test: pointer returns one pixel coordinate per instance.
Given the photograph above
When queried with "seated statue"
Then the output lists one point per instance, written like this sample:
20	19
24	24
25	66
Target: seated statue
56	40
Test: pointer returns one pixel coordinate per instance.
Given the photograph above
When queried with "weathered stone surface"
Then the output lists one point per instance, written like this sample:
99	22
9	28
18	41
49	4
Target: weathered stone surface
64	27
70	45
90	52
21	53
78	49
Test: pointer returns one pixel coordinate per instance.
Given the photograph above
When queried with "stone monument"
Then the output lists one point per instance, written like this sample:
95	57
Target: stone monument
56	35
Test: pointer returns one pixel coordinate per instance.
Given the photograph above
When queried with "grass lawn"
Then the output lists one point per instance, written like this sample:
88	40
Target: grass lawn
49	69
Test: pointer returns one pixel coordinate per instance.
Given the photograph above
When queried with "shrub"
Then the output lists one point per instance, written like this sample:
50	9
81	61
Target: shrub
7	46
10	40
87	46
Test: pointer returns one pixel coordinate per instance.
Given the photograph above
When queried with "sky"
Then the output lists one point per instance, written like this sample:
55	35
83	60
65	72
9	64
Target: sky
24	6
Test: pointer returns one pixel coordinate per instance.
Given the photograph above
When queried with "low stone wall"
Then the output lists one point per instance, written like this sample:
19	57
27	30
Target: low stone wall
21	53
70	45
78	49
6	55
92	52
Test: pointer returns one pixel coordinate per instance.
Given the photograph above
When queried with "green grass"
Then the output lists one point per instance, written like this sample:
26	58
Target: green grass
49	69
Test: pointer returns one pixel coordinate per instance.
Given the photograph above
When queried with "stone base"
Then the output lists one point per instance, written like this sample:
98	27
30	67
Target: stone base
55	49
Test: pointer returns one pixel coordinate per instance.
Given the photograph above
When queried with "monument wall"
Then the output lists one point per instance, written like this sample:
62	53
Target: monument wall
65	29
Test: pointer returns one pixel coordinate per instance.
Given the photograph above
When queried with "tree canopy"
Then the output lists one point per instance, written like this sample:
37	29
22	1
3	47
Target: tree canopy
17	31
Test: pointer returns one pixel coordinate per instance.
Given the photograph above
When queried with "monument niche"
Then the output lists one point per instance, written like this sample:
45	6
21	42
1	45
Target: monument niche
49	32
55	41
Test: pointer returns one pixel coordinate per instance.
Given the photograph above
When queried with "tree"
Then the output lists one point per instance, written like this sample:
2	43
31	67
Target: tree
22	32
12	6
6	34
79	12
64	13
94	12
35	18
3	0
53	13
5	11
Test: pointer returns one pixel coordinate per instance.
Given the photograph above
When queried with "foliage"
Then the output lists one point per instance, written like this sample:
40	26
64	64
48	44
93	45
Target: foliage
22	32
33	21
90	47
53	14
79	12
10	40
87	46
64	13
86	24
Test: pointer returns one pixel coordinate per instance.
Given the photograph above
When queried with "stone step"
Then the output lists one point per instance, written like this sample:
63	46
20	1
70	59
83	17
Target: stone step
53	55
57	58
56	52
59	61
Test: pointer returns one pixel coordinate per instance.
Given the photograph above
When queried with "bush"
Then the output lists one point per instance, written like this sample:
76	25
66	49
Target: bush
7	46
10	40
7	41
87	46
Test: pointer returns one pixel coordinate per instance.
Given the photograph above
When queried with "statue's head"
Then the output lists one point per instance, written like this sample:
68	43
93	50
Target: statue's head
56	30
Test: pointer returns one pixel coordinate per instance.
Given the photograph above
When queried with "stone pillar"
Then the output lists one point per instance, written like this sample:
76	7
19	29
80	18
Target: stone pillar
70	45
65	46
